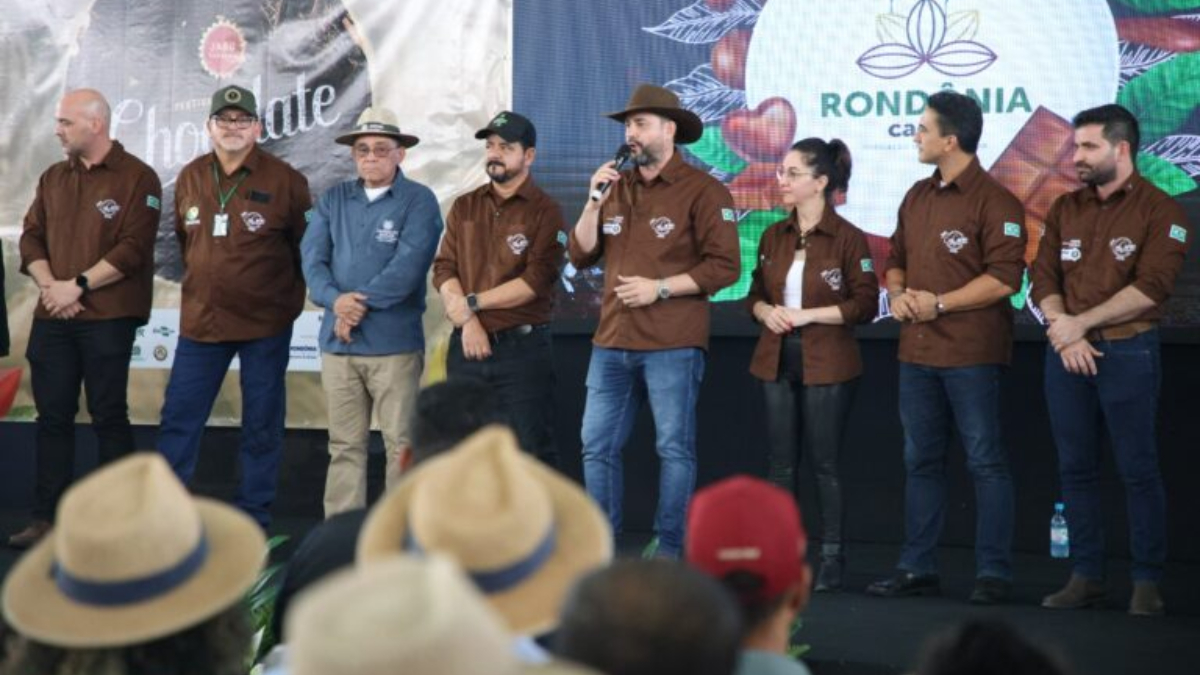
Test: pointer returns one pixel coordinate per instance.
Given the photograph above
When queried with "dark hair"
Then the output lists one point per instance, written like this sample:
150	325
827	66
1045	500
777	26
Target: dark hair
650	617
831	159
747	589
218	646
447	412
985	647
1119	125
959	116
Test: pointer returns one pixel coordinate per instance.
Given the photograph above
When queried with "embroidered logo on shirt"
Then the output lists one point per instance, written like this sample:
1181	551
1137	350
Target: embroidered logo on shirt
1179	234
153	202
1122	248
253	220
517	243
612	226
108	208
387	233
727	215
192	217
868	265
954	240
1012	230
833	277
1072	250
662	226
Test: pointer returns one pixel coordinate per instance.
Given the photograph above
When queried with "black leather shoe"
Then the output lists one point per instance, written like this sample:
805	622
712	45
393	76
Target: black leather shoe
29	536
905	584
990	591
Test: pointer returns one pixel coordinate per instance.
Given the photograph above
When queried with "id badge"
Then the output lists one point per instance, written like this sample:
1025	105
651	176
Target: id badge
220	224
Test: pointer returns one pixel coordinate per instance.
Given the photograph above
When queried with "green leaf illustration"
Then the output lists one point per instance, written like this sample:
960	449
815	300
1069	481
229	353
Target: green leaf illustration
1164	97
1156	6
1019	298
750	229
713	151
1168	177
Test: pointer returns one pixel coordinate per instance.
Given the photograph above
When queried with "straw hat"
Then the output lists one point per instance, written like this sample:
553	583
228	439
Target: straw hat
133	557
661	101
418	616
522	532
378	121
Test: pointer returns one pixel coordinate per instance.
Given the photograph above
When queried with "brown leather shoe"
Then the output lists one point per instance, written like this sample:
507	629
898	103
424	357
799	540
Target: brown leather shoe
29	536
1078	593
1146	600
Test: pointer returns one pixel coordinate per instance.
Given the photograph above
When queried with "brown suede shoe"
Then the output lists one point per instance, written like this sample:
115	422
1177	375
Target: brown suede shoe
29	536
1079	592
1146	600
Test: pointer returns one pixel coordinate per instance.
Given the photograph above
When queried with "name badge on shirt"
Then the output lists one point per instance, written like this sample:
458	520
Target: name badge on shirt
220	224
612	226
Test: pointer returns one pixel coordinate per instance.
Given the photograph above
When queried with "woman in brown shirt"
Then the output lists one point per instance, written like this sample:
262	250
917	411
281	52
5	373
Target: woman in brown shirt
814	281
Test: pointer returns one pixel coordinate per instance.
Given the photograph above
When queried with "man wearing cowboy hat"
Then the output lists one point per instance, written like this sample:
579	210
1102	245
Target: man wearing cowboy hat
496	269
366	253
239	216
668	236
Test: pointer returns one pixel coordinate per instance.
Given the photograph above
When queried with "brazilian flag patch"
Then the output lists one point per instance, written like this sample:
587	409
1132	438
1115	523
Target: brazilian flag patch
868	265
1179	234
1012	230
727	214
153	202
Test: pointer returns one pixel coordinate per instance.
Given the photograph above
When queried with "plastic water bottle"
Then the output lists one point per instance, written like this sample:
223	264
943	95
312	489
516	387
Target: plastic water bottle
1060	539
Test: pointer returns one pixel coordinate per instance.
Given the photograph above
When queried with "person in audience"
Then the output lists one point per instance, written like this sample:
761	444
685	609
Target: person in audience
137	577
410	615
985	647
747	533
650	617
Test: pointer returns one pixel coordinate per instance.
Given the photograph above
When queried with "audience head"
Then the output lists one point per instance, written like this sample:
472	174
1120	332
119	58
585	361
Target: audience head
448	412
137	576
982	647
747	533
650	617
522	532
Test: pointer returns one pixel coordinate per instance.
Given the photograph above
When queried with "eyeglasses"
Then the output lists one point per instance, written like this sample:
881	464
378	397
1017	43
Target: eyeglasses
790	175
381	151
235	122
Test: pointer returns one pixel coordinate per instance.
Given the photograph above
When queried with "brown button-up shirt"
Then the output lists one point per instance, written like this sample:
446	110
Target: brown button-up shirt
1092	249
946	236
247	284
82	215
838	271
682	222
490	241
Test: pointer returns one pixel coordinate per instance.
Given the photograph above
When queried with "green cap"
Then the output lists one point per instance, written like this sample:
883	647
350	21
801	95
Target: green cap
234	96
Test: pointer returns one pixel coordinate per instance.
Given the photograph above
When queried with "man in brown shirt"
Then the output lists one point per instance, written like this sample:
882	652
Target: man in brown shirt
956	257
668	236
1105	265
239	215
495	270
88	243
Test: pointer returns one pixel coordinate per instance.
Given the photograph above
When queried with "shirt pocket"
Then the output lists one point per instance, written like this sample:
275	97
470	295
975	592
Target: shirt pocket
385	236
828	282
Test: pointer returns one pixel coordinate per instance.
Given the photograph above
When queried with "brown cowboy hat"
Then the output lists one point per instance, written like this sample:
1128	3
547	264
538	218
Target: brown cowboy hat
132	558
521	531
418	616
378	121
660	101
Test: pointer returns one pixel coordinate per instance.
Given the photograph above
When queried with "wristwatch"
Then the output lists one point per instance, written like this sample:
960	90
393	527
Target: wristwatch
82	282
664	291
473	303
941	307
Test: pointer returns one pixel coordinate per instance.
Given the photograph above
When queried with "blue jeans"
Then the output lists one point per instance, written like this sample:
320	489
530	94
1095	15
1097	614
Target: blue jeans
929	398
1125	393
196	378
618	381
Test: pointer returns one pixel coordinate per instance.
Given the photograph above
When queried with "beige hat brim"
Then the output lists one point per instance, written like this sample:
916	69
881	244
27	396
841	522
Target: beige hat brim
583	542
37	609
405	140
688	126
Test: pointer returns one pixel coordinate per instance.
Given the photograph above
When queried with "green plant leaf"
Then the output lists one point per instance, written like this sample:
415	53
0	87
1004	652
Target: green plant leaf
1164	97
1168	177
1157	6
1019	298
713	151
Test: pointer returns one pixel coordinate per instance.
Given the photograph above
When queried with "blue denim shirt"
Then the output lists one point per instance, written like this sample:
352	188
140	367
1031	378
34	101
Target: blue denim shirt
382	249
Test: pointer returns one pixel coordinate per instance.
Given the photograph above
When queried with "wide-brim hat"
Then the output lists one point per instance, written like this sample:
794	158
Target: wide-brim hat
378	121
419	616
661	101
132	557
522	532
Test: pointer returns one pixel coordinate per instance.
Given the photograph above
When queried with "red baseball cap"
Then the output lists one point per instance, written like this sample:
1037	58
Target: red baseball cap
747	524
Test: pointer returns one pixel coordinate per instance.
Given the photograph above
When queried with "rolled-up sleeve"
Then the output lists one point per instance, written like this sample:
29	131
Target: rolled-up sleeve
134	247
717	238
863	303
1046	275
1163	251
33	235
1003	239
542	268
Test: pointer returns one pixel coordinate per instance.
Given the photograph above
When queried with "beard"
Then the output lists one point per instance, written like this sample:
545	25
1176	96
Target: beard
499	173
645	157
1096	176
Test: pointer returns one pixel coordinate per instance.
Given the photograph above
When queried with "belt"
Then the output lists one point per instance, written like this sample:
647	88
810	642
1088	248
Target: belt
510	333
1121	332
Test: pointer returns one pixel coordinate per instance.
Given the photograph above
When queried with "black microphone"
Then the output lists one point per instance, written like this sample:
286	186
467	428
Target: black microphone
621	159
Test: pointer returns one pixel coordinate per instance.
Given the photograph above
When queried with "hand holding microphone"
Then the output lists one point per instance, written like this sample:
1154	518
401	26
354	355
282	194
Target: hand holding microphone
609	173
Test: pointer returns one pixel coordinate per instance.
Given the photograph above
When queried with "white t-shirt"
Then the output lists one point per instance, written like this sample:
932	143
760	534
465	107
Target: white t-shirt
374	193
793	287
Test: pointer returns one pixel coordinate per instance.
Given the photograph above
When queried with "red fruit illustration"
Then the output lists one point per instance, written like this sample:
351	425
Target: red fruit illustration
763	134
729	58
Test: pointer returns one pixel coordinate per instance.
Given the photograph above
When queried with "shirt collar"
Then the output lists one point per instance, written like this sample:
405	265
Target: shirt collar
1131	184
390	189
828	224
526	191
116	154
250	164
964	181
670	173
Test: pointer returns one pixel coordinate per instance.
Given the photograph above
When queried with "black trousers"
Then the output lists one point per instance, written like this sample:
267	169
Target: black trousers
810	419
62	355
521	369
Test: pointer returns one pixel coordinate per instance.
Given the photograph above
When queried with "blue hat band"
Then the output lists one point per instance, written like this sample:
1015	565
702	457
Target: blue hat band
131	591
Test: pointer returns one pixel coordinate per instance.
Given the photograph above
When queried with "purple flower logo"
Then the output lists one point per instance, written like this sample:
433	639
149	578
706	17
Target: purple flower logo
928	35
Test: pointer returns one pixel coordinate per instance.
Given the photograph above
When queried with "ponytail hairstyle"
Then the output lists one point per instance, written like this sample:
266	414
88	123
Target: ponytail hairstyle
830	159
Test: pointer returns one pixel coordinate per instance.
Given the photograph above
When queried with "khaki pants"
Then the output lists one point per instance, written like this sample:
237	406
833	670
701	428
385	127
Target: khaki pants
356	386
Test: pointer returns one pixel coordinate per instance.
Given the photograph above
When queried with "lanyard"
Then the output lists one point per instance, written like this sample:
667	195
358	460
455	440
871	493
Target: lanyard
224	198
